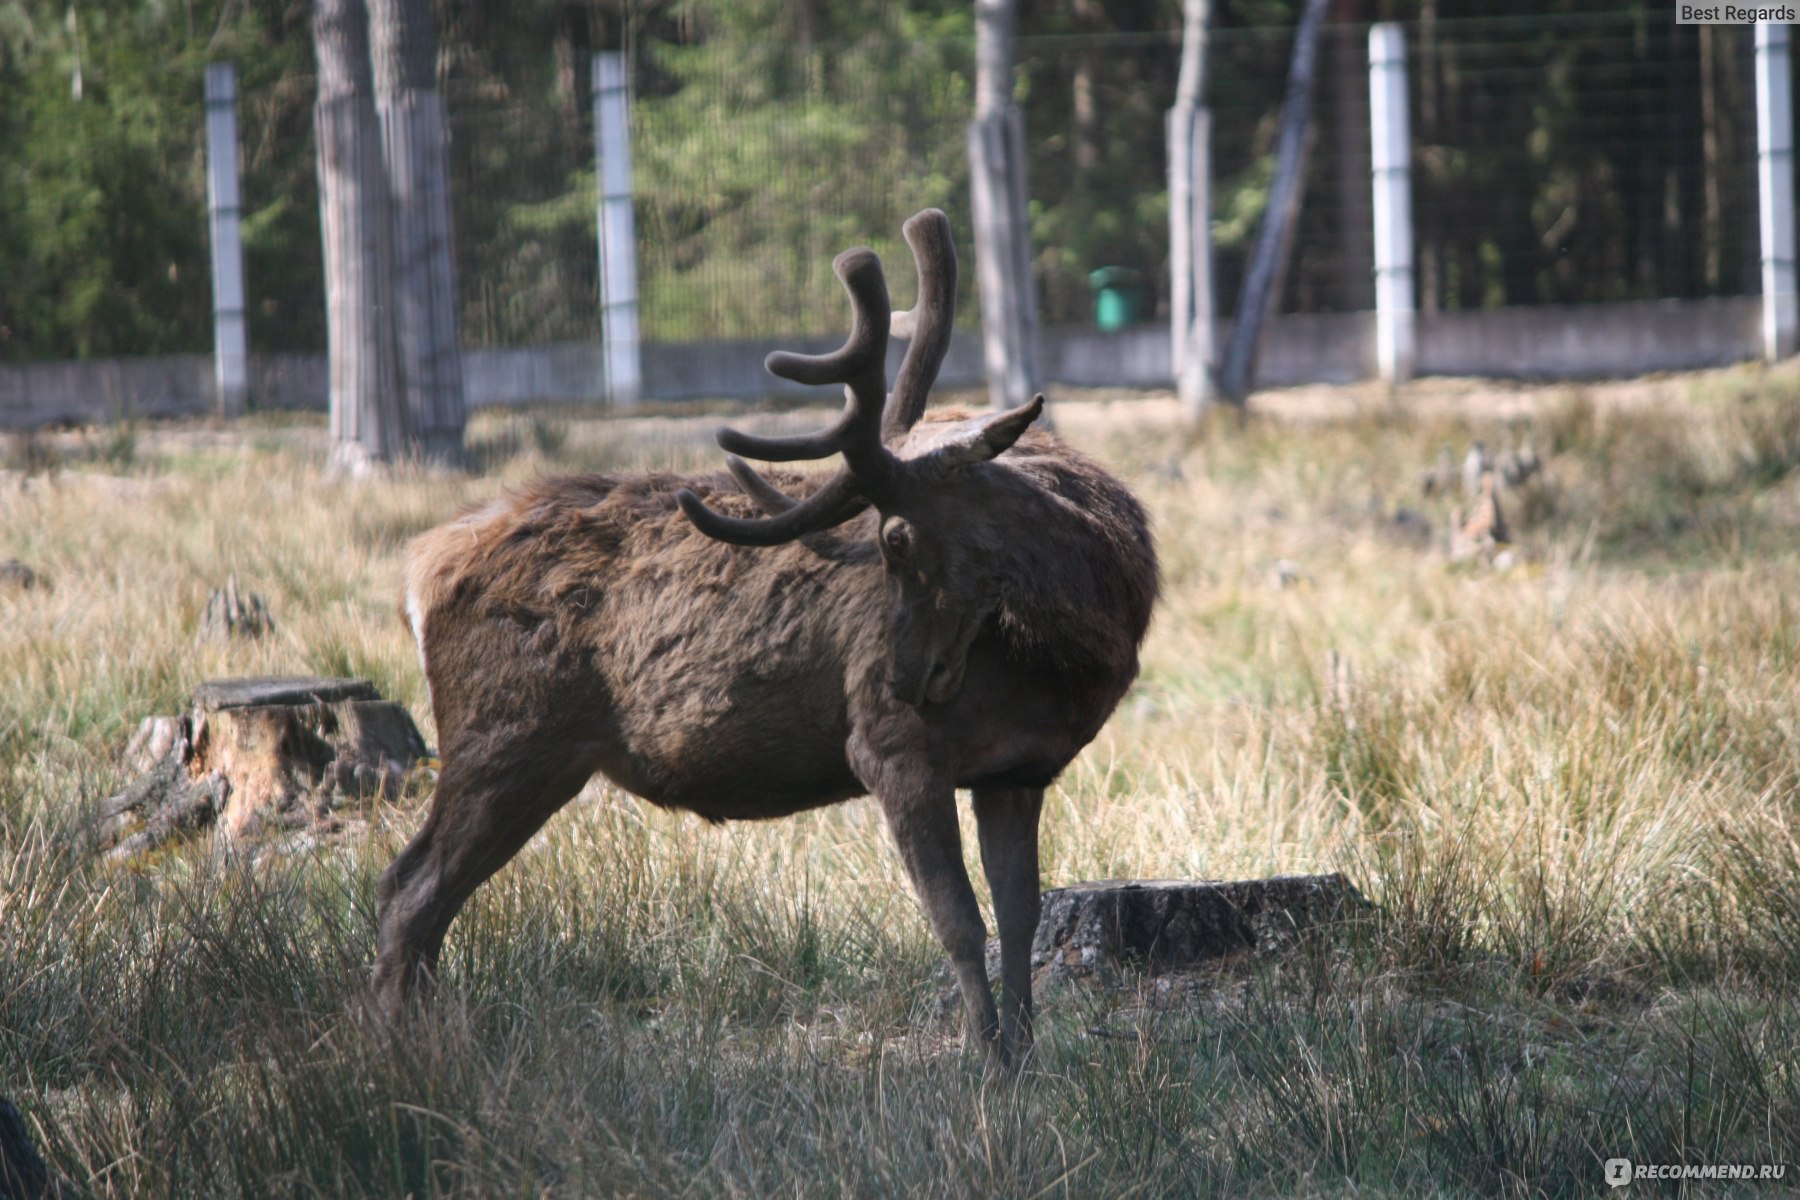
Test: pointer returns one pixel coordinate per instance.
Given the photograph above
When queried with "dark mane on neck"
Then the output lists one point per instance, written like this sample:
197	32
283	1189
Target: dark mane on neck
1078	591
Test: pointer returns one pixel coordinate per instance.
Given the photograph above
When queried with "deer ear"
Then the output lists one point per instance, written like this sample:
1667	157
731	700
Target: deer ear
979	441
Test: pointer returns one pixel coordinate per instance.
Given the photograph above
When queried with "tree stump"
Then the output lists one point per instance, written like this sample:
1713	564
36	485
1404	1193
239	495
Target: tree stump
1478	533
260	755
1162	926
230	614
1103	932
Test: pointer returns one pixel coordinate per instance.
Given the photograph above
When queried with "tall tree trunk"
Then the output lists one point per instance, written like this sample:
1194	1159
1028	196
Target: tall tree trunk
1711	234
1350	117
417	153
1080	200
1275	235
1084	112
1191	334
1429	134
368	413
997	194
573	52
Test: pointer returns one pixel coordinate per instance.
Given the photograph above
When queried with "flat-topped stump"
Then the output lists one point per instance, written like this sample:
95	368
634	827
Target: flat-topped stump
1159	926
260	755
1118	929
266	691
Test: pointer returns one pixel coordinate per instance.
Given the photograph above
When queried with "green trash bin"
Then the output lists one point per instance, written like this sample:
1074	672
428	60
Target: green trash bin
1118	297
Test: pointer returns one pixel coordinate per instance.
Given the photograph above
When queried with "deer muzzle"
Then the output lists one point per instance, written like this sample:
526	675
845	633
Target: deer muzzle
908	678
929	663
937	683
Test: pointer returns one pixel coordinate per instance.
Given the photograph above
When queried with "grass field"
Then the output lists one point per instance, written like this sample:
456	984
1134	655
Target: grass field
1571	787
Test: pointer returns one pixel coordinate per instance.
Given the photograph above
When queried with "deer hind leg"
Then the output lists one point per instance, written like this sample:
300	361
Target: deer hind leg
488	804
1007	823
921	813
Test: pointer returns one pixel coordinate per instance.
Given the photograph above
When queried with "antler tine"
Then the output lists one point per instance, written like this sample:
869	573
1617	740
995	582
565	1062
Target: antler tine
771	499
930	321
860	364
836	501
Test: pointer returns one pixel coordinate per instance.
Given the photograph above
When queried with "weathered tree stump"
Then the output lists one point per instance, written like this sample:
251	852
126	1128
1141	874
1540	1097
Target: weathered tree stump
1482	530
1161	926
232	614
260	755
1113	930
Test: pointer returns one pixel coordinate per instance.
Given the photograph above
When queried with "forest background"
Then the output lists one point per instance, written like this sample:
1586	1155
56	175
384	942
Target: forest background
1583	151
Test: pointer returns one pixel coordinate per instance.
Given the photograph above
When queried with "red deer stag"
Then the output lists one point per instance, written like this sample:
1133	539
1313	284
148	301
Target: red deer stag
974	629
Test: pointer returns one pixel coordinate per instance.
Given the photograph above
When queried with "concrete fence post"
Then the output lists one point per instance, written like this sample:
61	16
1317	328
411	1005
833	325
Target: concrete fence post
618	238
231	349
1775	189
1391	158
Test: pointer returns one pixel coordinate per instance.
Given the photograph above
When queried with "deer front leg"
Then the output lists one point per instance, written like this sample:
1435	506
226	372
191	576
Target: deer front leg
1007	820
921	812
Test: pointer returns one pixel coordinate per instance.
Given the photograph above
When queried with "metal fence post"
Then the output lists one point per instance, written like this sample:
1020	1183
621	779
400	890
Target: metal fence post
1775	189
231	351
1391	159
618	238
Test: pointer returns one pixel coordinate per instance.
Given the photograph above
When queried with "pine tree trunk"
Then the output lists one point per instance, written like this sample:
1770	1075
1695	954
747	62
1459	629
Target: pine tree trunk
1426	133
997	195
1274	236
1349	107
416	150
368	414
1713	208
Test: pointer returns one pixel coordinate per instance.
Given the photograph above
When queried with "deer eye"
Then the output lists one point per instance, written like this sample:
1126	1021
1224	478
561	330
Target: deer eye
897	539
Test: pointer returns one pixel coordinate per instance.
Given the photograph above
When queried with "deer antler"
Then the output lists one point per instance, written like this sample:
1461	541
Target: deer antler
861	366
929	323
871	417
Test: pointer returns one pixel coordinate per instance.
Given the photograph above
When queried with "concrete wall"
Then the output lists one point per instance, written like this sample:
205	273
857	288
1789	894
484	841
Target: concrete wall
100	389
1591	341
1587	341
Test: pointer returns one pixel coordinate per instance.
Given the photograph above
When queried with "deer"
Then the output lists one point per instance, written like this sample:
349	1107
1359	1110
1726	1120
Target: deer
959	605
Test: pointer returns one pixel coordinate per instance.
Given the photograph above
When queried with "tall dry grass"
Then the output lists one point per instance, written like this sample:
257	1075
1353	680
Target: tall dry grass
1570	787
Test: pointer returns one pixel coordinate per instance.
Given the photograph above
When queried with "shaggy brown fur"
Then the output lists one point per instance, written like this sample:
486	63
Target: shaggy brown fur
584	625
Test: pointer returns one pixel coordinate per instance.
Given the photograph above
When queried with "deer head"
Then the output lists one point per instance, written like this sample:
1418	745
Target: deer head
927	493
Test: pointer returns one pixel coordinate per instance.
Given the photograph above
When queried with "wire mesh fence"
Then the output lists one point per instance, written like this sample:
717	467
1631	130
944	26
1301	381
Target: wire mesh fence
1601	157
750	177
1610	156
1604	156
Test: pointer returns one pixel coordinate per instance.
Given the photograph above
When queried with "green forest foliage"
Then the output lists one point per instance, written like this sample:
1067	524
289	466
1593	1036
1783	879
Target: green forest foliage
103	239
1578	153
